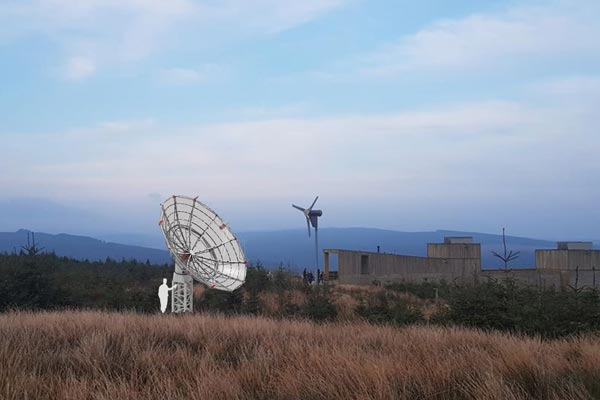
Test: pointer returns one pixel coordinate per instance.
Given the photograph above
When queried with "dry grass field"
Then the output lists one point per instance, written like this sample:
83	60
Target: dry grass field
95	355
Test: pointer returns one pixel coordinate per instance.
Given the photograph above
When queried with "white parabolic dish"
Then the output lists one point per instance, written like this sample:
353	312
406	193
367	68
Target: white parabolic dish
202	244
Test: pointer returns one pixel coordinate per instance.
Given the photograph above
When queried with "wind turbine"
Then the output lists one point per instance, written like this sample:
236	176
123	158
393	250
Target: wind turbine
312	218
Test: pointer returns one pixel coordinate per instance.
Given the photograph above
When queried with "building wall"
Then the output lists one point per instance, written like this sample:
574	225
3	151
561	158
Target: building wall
397	268
461	263
454	250
567	259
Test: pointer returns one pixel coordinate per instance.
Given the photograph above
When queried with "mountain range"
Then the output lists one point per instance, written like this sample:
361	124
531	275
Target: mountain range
291	248
82	247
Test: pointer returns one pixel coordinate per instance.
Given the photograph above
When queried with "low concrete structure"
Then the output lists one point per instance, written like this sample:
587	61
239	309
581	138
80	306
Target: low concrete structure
458	240
575	245
458	260
454	261
567	259
576	264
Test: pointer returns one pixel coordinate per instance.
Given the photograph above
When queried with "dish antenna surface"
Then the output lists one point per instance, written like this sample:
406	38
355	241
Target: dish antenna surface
203	247
312	218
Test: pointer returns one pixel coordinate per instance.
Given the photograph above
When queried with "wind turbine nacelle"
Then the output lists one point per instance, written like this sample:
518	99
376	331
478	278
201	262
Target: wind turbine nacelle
315	213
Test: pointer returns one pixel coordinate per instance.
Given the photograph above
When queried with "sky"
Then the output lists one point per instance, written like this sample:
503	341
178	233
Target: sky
466	115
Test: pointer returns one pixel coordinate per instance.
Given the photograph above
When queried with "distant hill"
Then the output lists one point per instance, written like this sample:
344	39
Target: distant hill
292	247
83	247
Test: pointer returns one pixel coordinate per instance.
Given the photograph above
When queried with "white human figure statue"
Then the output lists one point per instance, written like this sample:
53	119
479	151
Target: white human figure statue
163	295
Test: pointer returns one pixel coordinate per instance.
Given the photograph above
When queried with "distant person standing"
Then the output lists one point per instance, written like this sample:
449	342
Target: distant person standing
163	295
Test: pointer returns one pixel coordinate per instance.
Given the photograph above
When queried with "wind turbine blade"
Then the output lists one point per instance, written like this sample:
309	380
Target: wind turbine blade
313	204
308	226
298	208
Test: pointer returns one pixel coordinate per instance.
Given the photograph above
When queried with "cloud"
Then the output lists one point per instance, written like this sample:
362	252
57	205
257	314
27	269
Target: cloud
112	129
524	155
272	16
79	68
127	126
116	32
578	88
123	29
565	32
430	150
207	73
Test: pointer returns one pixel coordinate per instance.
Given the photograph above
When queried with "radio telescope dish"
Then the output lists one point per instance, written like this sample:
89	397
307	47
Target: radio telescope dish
203	247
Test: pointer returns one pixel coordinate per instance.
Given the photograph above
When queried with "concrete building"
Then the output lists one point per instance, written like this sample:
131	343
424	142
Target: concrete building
458	260
455	260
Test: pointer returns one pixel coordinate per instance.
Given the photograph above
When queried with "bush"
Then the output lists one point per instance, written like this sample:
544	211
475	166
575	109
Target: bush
29	286
257	279
46	281
214	300
251	304
319	306
384	308
507	306
423	290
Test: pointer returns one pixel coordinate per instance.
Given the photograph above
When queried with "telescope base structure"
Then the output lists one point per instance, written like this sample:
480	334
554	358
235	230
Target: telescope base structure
182	294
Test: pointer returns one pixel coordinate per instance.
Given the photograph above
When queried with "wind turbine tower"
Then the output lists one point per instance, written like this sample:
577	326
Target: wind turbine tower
312	218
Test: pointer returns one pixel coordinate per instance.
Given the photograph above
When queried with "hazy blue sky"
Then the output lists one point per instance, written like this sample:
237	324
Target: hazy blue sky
410	115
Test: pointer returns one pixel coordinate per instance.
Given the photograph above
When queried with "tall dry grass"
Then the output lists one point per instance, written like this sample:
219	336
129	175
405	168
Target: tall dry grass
94	355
